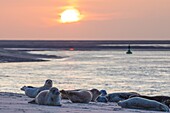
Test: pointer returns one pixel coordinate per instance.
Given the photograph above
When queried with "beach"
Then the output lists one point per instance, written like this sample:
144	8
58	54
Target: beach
18	103
84	56
88	66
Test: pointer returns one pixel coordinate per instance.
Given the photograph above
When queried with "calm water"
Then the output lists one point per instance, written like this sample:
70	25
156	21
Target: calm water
146	72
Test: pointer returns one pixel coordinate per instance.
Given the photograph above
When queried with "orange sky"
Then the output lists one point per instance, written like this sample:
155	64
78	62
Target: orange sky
103	20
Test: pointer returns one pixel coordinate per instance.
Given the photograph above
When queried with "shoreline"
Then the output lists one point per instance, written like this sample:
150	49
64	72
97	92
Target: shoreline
18	103
12	55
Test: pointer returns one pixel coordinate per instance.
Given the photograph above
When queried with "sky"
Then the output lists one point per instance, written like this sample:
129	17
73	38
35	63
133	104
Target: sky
102	20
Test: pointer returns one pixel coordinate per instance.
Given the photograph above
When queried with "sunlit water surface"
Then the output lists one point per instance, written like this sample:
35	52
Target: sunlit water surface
146	72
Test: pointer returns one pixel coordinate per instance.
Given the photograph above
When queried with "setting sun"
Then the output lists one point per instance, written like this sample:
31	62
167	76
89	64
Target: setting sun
70	15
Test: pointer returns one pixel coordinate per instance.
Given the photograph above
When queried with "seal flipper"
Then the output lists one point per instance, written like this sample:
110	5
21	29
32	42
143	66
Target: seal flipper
32	102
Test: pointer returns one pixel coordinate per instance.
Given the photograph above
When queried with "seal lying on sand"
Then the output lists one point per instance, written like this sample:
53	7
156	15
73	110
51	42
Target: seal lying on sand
64	96
162	99
48	97
144	104
32	92
116	97
102	97
81	96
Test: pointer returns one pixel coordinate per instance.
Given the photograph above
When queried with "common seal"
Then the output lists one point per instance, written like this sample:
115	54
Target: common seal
81	96
95	93
116	97
64	96
32	92
48	97
144	104
102	97
162	99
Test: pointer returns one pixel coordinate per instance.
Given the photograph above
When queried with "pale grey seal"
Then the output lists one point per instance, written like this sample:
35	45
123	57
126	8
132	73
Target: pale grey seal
163	99
144	104
32	92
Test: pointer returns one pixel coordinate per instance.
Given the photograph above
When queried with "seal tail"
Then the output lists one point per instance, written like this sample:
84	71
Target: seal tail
32	102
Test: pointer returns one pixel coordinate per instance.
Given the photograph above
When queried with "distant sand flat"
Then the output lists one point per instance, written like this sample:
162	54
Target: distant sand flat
22	56
17	103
